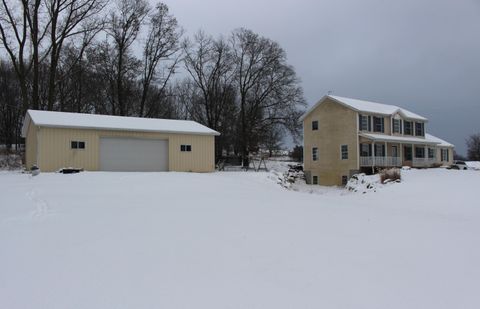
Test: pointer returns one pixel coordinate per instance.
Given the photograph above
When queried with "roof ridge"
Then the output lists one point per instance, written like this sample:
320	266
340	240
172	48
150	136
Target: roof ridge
367	107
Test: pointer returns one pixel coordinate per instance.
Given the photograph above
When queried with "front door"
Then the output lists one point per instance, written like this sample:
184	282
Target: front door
407	153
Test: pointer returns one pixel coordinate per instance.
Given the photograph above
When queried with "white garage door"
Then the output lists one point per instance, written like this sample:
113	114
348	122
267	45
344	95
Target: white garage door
133	154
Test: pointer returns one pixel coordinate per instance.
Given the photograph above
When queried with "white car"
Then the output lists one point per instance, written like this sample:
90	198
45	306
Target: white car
459	165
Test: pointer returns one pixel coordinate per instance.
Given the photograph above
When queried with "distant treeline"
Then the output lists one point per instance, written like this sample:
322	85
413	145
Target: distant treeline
123	57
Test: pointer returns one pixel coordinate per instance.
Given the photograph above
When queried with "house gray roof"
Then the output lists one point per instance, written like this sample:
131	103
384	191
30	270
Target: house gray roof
106	122
367	107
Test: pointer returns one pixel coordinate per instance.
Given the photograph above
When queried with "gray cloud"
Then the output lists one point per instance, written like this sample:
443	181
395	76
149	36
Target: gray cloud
420	54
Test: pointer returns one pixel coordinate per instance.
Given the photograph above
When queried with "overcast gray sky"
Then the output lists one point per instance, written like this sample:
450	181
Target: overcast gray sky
423	55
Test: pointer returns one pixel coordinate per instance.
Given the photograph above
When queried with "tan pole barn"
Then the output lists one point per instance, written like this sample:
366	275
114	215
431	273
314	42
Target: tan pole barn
56	140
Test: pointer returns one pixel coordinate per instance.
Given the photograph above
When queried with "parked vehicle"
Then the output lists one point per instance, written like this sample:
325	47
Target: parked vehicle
459	165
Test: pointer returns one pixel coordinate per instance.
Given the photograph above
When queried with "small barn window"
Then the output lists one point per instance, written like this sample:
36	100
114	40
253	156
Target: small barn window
77	145
187	148
315	180
315	125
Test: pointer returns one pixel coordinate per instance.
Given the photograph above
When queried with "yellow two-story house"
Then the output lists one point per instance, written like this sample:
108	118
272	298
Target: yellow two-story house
344	136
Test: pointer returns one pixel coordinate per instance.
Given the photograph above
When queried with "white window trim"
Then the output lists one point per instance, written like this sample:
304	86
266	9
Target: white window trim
186	147
399	126
361	122
77	141
313	159
341	152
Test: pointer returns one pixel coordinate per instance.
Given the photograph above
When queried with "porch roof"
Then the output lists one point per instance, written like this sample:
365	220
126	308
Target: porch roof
428	140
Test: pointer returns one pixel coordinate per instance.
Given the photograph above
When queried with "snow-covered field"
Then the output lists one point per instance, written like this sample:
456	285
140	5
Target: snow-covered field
237	240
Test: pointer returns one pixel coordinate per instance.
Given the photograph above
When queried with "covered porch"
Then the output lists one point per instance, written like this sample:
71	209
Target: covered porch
391	151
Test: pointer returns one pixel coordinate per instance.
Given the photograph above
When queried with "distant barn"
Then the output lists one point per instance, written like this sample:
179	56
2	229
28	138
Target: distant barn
55	140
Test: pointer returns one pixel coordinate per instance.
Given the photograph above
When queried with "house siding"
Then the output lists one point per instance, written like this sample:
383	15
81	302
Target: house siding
54	150
337	125
31	146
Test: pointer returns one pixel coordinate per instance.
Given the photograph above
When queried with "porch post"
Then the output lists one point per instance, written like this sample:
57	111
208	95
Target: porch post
385	155
425	156
373	156
401	154
413	153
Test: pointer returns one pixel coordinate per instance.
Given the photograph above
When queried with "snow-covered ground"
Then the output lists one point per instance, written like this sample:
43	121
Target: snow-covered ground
237	240
475	165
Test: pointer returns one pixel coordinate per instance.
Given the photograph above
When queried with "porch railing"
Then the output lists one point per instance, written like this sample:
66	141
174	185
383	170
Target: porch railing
380	161
395	161
423	161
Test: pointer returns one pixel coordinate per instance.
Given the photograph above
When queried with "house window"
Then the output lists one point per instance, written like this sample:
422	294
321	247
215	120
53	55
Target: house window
397	126
315	125
444	153
315	180
365	150
77	145
186	148
407	128
379	150
314	153
378	124
419	129
419	152
344	152
344	180
431	153
363	123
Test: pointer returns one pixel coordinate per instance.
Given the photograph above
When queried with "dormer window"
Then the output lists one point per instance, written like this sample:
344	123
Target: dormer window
397	126
419	129
407	128
378	124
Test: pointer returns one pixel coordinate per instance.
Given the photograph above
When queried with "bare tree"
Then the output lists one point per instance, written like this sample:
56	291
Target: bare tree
11	112
162	45
123	27
272	139
268	88
21	36
69	19
473	147
32	31
211	67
